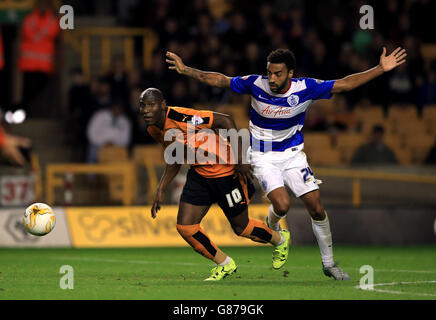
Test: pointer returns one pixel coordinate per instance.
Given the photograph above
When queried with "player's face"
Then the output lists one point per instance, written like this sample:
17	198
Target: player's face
278	76
151	110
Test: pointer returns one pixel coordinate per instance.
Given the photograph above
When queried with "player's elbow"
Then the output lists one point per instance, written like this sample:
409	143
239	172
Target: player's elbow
223	121
222	81
342	85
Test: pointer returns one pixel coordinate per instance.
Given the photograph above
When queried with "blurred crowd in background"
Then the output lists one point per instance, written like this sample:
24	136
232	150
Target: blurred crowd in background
325	37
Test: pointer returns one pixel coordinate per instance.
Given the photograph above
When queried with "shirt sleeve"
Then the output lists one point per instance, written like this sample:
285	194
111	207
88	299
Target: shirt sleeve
319	89
242	85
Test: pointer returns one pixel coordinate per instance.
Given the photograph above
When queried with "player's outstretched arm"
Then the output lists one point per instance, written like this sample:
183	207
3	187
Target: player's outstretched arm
171	170
387	63
213	79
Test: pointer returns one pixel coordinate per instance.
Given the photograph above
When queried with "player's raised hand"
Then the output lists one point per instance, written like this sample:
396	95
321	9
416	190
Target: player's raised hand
175	62
158	198
396	58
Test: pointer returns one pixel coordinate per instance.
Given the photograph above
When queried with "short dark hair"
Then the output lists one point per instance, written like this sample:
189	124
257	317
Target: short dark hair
152	93
283	56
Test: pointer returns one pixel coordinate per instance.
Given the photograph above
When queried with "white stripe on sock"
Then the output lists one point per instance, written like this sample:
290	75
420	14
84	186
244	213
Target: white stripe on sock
225	262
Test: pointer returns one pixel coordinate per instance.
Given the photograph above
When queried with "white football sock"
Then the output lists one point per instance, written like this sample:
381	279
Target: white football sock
321	229
282	239
226	261
274	219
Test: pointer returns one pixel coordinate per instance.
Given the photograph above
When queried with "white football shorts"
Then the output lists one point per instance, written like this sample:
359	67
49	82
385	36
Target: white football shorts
277	169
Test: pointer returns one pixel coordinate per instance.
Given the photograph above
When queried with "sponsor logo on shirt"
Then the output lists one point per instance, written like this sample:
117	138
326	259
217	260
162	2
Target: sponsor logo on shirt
276	112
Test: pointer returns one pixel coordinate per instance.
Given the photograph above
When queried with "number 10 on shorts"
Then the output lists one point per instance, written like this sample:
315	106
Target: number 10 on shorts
234	197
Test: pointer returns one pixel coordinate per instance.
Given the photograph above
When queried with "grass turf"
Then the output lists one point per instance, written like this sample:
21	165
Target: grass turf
178	273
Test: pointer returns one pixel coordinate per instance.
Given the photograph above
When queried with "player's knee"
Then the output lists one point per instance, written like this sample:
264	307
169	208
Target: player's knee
187	231
198	239
180	228
281	207
238	229
257	231
317	212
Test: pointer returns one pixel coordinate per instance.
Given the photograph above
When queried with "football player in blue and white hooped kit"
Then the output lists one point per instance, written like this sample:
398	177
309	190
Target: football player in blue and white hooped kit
278	108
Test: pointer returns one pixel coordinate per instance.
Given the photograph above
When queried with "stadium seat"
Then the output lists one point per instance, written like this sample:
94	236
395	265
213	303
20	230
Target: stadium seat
394	141
403	156
410	127
153	153
327	106
318	147
401	113
347	144
151	157
428	51
323	156
317	140
419	145
368	116
373	113
429	117
113	154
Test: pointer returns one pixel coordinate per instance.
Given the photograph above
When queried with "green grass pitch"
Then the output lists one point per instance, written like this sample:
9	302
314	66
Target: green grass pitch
178	273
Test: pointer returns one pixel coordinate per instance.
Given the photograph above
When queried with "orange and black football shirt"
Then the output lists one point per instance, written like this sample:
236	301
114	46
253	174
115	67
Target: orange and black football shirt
190	123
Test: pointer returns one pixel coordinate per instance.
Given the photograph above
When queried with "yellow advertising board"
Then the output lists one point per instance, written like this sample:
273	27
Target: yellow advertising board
134	227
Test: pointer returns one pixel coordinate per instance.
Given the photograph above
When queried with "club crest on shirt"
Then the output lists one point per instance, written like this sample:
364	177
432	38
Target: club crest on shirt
196	120
293	100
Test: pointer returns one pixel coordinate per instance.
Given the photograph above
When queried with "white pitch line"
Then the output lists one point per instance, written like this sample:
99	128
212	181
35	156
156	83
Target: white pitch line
411	271
124	261
153	262
400	292
375	269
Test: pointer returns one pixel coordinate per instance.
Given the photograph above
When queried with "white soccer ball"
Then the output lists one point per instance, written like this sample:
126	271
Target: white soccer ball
39	219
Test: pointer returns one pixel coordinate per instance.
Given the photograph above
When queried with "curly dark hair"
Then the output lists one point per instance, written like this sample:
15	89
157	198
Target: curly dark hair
283	56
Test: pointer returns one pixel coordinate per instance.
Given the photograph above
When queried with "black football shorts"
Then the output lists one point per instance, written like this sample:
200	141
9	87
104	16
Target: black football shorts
232	194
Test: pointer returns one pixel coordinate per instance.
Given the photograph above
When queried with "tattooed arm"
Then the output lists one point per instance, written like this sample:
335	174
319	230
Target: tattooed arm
213	79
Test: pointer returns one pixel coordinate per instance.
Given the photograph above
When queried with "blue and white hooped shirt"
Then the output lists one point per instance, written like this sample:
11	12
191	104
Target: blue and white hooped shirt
276	120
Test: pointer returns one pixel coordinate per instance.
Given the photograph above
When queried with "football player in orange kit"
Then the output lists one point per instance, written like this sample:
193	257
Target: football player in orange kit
210	182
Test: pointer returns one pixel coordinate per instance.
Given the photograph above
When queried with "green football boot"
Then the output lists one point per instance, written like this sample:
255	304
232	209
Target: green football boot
280	253
220	272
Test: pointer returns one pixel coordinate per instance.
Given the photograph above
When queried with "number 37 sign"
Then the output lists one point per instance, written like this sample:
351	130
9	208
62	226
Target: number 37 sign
17	190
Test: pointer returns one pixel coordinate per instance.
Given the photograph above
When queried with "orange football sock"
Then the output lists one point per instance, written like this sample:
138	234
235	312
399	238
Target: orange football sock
198	239
257	231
